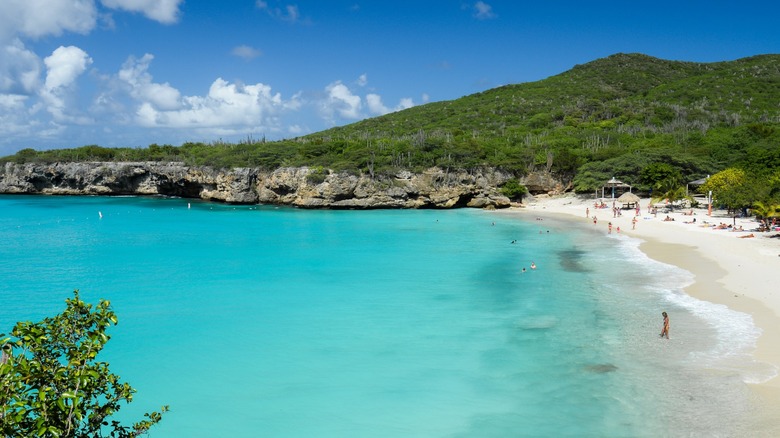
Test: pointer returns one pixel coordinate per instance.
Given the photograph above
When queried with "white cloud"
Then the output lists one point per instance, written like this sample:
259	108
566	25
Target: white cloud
40	104
375	105
289	13
20	69
295	130
164	11
37	18
13	116
12	102
65	65
135	74
483	11
292	13
405	103
246	52
228	108
340	100
226	105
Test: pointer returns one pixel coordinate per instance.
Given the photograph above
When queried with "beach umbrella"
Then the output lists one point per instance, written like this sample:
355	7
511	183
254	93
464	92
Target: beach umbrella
628	198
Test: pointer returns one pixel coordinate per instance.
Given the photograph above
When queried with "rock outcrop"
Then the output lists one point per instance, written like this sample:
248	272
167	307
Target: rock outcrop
170	179
543	183
300	187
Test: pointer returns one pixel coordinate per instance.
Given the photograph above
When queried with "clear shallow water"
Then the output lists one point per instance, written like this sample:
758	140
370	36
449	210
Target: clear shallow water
260	321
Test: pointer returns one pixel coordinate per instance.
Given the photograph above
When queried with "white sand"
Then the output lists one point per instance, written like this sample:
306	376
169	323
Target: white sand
741	273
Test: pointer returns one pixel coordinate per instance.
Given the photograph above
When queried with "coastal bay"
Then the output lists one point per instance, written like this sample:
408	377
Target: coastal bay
378	323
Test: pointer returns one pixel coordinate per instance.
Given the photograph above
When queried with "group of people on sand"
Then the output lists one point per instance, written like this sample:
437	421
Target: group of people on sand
767	225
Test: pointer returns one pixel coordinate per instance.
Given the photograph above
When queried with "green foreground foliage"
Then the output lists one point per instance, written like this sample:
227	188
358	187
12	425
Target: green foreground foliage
51	384
623	116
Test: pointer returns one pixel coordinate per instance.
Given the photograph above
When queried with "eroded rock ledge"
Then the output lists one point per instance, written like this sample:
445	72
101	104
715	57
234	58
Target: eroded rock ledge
299	187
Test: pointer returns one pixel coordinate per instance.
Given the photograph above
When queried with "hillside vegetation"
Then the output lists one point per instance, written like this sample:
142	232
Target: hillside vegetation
653	123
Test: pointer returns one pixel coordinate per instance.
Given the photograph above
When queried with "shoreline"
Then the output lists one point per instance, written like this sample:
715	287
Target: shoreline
728	269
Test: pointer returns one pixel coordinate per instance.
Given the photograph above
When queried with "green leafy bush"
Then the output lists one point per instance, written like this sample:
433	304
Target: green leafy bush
512	189
51	383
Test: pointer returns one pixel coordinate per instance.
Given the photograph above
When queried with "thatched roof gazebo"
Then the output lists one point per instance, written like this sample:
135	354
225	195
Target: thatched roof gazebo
629	200
614	182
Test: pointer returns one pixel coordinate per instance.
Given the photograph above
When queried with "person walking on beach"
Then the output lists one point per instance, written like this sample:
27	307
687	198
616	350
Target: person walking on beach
665	328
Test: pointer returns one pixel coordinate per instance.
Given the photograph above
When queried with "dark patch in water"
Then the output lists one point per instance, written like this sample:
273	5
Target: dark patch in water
601	368
571	260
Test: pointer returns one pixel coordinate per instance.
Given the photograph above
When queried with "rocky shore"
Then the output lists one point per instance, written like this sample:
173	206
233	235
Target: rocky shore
300	187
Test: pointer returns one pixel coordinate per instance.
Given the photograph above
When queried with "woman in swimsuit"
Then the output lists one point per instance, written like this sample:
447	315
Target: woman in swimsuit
665	329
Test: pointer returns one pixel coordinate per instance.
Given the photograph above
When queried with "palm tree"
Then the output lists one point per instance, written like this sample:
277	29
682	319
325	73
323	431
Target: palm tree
672	195
765	211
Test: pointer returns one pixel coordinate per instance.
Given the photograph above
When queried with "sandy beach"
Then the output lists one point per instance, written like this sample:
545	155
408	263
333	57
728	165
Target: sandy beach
739	269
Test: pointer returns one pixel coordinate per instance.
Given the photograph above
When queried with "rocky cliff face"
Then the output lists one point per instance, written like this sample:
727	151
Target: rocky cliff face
300	187
170	179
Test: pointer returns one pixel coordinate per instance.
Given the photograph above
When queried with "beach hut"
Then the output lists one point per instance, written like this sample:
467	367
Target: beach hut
697	198
696	183
629	200
614	183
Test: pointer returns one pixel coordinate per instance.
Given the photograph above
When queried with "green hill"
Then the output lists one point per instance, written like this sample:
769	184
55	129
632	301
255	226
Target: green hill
610	117
623	88
617	116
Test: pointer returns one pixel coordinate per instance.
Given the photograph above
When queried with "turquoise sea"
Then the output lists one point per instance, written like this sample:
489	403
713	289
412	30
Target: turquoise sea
277	322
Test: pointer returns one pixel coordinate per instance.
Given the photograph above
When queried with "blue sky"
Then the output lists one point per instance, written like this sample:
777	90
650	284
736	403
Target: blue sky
137	72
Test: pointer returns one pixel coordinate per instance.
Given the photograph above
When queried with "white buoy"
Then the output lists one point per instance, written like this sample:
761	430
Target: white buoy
100	213
188	205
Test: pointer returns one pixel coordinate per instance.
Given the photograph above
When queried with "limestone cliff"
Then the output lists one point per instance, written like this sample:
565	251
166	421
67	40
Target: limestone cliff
300	187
